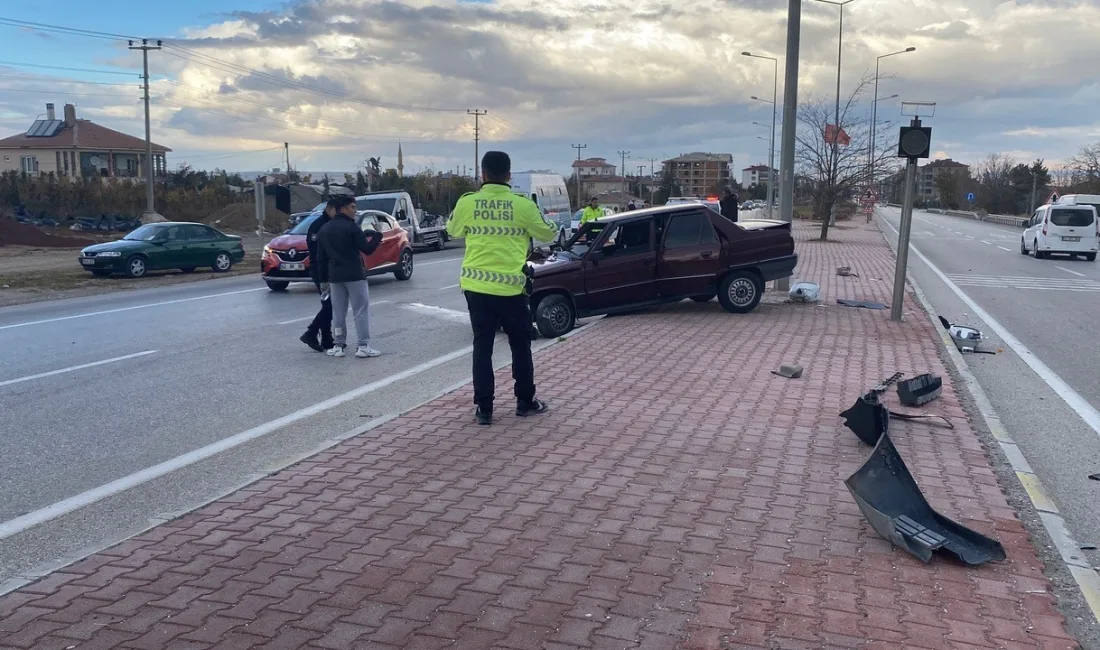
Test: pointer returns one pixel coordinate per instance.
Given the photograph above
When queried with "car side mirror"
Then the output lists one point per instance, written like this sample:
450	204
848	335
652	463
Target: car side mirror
402	215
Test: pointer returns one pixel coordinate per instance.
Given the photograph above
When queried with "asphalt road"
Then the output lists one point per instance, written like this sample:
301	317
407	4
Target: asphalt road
1052	307
94	391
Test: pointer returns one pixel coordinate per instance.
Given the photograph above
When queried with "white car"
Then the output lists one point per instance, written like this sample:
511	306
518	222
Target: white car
1062	230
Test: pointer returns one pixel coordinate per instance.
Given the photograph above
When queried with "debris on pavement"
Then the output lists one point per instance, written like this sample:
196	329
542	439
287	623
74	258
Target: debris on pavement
1095	477
869	418
865	304
965	338
893	504
1088	547
846	271
804	292
789	370
920	389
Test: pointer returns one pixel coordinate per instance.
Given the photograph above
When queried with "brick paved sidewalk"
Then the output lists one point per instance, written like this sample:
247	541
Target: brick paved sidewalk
679	496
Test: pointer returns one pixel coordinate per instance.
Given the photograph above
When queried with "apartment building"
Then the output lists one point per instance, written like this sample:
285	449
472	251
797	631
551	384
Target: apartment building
699	174
927	174
757	175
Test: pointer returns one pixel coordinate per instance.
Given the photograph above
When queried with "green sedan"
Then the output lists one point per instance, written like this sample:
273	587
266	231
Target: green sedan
169	245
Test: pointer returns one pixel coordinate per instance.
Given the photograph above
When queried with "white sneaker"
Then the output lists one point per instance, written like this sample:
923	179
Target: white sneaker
365	351
336	351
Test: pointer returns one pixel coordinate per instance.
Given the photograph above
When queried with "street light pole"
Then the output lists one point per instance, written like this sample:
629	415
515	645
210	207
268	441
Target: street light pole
790	119
834	167
771	147
874	118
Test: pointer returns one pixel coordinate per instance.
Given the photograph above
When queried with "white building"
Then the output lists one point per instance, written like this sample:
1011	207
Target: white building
756	175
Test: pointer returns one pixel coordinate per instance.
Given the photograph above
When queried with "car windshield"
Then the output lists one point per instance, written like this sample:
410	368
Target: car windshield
147	232
1070	217
582	241
303	226
382	204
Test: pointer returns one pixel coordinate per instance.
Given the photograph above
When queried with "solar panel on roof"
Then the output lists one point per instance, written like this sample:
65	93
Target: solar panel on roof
52	128
44	128
34	127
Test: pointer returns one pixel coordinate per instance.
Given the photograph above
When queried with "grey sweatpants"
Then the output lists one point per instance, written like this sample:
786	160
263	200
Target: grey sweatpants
358	296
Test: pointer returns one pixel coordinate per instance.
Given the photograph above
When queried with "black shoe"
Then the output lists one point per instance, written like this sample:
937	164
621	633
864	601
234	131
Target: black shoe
484	418
310	339
534	407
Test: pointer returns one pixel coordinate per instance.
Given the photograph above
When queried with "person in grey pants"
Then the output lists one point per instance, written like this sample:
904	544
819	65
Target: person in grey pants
339	245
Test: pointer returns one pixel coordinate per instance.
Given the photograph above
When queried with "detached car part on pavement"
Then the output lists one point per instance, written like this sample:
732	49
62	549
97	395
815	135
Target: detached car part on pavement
167	245
661	255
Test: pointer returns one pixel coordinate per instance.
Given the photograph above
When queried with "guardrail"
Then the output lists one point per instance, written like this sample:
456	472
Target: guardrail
1005	220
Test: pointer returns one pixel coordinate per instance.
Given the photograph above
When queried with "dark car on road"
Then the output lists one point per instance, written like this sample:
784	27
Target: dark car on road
660	255
167	245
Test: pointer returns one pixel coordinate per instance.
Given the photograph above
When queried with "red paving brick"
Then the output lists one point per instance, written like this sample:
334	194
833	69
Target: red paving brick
693	501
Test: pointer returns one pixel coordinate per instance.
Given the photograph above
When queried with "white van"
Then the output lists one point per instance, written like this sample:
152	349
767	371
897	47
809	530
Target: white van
1062	229
549	193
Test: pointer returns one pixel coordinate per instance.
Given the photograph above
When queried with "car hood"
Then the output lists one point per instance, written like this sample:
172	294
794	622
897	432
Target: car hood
555	263
286	242
121	245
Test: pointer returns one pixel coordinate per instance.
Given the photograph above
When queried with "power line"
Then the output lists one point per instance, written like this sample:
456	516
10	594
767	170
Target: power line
27	24
61	67
49	79
57	92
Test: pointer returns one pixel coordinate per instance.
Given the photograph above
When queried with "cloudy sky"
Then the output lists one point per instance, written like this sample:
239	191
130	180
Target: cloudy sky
341	80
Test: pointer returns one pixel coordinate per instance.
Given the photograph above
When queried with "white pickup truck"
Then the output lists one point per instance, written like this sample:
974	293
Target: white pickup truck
399	204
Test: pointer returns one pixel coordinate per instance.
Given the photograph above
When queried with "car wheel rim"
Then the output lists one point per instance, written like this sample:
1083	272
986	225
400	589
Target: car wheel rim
137	267
742	291
223	262
406	264
558	317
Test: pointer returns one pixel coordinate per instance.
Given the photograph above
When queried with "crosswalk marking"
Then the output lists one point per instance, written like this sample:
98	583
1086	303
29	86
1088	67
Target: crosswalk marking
1031	283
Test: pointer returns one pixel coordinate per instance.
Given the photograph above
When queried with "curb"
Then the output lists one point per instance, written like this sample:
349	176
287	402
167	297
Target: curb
1086	577
41	571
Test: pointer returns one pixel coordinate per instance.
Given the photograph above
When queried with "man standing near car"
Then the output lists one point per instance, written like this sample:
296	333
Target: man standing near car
498	226
322	322
728	205
339	244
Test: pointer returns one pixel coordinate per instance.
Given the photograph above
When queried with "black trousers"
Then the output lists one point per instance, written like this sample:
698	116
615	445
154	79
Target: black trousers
322	322
489	313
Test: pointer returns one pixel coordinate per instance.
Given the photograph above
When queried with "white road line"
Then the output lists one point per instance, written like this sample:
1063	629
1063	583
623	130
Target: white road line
373	303
453	315
453	259
1005	249
1081	275
82	366
1071	397
65	506
130	308
988	243
449	286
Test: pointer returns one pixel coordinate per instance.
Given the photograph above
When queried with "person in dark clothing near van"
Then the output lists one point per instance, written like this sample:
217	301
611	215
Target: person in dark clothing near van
339	244
321	327
728	205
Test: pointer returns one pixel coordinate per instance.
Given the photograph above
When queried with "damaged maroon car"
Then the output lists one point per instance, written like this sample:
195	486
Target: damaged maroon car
656	256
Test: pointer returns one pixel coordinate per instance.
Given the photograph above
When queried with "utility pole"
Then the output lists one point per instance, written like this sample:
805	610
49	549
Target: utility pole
477	138
653	181
790	121
622	156
577	173
145	47
286	150
1034	180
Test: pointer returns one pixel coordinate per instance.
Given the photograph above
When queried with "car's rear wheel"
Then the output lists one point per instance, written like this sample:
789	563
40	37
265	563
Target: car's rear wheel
1091	257
222	263
555	316
101	273
275	285
188	269
439	243
137	266
404	266
740	292
706	297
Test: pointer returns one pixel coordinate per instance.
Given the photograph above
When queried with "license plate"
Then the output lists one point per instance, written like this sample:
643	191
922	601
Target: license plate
292	266
87	261
1071	239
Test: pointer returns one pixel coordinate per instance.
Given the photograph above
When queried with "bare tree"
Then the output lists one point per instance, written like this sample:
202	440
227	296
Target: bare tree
840	172
1087	165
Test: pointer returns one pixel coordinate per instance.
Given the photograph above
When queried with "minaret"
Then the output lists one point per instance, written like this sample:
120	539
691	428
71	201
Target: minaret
400	161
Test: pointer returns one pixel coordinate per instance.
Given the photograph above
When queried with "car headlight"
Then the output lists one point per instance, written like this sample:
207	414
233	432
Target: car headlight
268	251
109	254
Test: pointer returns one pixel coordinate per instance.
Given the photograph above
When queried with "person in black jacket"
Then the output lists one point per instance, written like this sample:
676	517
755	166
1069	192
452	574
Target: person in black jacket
339	244
728	205
322	322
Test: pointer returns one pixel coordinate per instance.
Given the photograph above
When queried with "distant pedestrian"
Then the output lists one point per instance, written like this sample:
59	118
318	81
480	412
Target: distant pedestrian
321	327
630	206
728	205
339	244
498	226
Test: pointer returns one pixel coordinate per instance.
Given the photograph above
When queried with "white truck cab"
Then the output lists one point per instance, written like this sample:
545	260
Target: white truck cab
399	205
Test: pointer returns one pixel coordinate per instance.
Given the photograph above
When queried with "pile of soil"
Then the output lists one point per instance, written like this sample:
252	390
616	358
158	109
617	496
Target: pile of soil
241	217
13	233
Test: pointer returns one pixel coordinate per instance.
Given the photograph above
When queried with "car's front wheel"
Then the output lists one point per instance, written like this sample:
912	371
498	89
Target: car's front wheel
404	266
555	316
1091	257
740	292
137	266
1023	247
223	262
275	285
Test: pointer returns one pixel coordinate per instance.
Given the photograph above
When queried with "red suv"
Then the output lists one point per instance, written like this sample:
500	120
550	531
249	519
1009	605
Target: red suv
286	258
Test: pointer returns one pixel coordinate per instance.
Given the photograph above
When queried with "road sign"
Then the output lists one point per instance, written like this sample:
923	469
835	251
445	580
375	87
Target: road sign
970	196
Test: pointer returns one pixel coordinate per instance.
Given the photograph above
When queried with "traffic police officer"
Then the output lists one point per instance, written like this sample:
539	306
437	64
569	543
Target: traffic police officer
498	226
592	211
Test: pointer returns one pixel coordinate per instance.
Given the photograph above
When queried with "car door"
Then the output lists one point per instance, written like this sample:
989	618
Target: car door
1032	231
170	250
620	269
390	249
201	246
690	256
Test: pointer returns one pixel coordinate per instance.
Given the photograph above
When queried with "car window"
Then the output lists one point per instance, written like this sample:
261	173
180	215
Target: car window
632	237
368	222
684	230
198	233
707	234
382	224
173	233
1070	218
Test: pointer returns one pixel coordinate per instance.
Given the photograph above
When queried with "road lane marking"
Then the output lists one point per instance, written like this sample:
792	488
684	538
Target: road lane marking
82	366
86	498
373	303
130	308
987	243
453	259
1072	398
1081	275
453	315
1005	249
449	286
1037	283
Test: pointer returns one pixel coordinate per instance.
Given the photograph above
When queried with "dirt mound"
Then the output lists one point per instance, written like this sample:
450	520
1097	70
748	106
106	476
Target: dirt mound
241	217
13	233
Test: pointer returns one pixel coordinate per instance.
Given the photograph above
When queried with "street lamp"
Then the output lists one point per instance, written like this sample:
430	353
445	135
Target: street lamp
771	146
874	116
836	134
